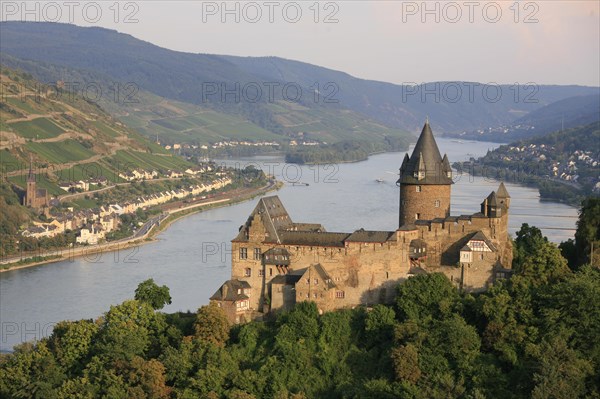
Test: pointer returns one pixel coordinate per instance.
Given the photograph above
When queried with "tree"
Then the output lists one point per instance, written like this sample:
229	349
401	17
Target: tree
130	329
30	372
148	291
212	324
71	341
536	259
426	296
406	363
379	324
561	372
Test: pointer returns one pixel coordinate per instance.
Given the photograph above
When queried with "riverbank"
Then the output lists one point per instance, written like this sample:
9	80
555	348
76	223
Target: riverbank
157	225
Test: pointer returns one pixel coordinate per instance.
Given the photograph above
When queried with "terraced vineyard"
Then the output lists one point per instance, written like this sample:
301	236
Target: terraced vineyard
40	128
67	138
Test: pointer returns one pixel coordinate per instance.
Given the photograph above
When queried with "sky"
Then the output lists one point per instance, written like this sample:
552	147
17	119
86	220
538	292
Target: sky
541	42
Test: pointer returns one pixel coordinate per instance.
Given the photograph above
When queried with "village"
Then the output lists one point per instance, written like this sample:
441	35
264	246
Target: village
92	225
567	169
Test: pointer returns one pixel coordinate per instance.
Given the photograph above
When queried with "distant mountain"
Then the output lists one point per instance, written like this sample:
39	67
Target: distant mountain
169	101
558	116
448	104
182	76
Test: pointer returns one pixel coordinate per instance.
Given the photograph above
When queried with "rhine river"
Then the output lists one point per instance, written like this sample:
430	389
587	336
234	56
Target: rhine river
191	257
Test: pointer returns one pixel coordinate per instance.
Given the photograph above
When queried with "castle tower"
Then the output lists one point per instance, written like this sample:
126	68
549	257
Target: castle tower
425	181
31	192
503	196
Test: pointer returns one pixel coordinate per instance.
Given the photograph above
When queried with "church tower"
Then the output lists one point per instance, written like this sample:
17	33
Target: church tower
425	181
31	192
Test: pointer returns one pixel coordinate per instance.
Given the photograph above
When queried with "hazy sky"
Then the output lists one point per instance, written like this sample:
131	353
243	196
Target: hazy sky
545	42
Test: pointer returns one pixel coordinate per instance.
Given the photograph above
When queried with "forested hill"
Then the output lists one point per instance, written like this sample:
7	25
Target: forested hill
563	165
180	76
536	336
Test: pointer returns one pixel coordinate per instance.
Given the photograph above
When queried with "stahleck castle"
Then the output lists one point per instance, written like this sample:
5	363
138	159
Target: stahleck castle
278	262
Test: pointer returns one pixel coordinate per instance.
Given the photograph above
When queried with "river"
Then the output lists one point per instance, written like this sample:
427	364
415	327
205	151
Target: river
191	257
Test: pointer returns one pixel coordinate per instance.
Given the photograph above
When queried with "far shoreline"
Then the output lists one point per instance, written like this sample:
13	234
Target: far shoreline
69	254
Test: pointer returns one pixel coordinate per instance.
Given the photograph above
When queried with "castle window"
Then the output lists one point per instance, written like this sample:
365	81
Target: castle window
340	294
449	174
315	295
248	272
316	281
417	216
256	253
261	272
481	257
437	203
418	189
270	271
243	253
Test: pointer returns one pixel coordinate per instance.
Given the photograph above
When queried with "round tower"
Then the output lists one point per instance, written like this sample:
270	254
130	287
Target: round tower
425	181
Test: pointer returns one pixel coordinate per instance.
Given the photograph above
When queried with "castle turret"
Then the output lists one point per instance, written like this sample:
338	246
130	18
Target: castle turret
425	181
493	210
503	196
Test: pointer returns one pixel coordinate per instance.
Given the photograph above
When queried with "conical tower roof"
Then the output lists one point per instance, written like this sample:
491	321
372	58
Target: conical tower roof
426	158
492	200
502	191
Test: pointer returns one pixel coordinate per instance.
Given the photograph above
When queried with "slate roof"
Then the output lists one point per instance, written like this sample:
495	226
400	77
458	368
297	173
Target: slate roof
320	272
363	235
274	216
479	236
286	279
492	199
308	227
277	256
425	158
502	191
311	238
229	291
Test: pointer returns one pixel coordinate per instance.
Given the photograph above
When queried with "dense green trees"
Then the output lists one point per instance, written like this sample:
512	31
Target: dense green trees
536	335
148	291
587	237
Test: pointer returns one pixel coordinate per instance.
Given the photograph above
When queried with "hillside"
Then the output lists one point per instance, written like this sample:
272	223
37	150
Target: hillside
180	77
563	165
168	86
564	114
66	137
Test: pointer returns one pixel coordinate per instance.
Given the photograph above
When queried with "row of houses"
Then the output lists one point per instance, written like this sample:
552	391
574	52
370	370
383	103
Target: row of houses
166	196
83	185
93	224
140	174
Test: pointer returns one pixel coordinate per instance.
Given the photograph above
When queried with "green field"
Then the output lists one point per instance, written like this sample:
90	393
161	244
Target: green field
62	152
9	162
22	104
106	129
40	128
42	182
201	126
90	170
